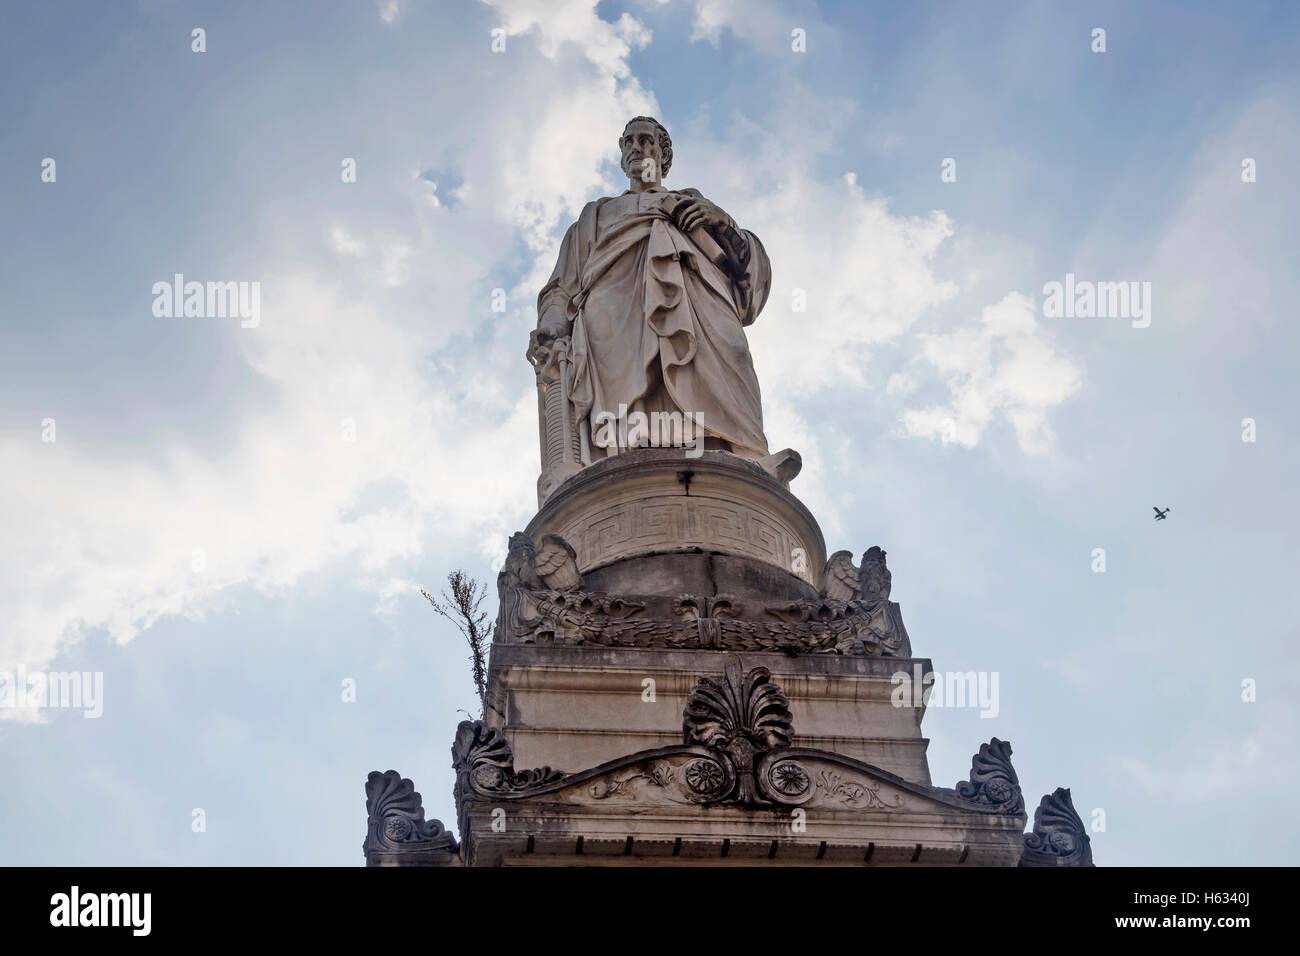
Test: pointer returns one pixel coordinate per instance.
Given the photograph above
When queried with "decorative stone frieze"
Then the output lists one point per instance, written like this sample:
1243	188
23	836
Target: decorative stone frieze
736	750
531	612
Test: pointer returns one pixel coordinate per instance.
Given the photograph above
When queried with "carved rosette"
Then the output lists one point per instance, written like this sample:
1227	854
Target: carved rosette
786	778
993	784
785	781
1059	837
484	764
395	826
708	779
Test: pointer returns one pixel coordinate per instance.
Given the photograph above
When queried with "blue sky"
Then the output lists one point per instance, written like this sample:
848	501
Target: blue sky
222	688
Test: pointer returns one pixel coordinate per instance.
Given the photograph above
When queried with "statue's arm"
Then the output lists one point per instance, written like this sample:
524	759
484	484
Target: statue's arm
556	297
756	280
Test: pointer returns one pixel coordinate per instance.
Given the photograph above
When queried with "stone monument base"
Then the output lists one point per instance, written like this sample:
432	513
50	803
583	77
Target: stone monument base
712	689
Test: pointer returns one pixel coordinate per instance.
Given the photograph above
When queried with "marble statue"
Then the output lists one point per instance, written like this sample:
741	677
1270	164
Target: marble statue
642	322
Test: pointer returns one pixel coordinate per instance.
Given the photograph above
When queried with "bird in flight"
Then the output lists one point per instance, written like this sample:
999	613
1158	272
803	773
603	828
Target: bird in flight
1160	515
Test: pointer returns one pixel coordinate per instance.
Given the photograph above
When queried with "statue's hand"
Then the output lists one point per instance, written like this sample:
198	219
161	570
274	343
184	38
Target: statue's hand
539	345
697	212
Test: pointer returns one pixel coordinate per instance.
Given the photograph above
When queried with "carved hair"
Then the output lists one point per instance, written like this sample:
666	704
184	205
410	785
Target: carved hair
665	141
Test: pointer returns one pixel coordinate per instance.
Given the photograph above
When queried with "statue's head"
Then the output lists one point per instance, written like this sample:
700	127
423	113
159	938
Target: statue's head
644	138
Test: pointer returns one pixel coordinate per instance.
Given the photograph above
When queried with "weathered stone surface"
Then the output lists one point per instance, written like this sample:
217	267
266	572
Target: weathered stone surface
699	622
993	782
736	759
397	833
582	706
484	764
1059	837
744	715
874	579
865	591
658	578
657	501
546	599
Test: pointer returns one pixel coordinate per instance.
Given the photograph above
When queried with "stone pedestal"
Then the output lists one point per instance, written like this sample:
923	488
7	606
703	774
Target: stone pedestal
660	501
694	682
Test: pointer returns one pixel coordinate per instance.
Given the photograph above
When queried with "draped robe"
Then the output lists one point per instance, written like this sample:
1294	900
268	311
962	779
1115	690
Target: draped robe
656	325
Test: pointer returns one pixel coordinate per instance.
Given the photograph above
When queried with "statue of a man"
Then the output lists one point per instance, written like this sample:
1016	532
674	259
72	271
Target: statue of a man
652	291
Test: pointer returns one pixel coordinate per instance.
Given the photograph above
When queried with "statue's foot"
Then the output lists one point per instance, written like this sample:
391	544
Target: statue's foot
783	465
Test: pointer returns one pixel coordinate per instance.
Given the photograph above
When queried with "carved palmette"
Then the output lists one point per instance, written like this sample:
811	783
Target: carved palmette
1059	837
396	821
993	783
481	757
746	705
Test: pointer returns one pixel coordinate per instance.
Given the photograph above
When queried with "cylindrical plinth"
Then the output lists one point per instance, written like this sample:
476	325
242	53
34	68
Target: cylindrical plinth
658	501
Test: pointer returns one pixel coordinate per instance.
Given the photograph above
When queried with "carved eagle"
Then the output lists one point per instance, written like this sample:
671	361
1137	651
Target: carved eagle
874	578
840	580
556	563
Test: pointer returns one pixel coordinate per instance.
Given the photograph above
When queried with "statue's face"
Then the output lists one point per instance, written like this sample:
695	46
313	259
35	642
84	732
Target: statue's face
639	143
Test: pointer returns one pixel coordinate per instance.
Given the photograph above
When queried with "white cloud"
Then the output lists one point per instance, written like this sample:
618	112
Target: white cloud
389	267
290	497
1006	365
551	141
560	22
867	274
108	542
345	243
868	277
764	25
394	263
1210	765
